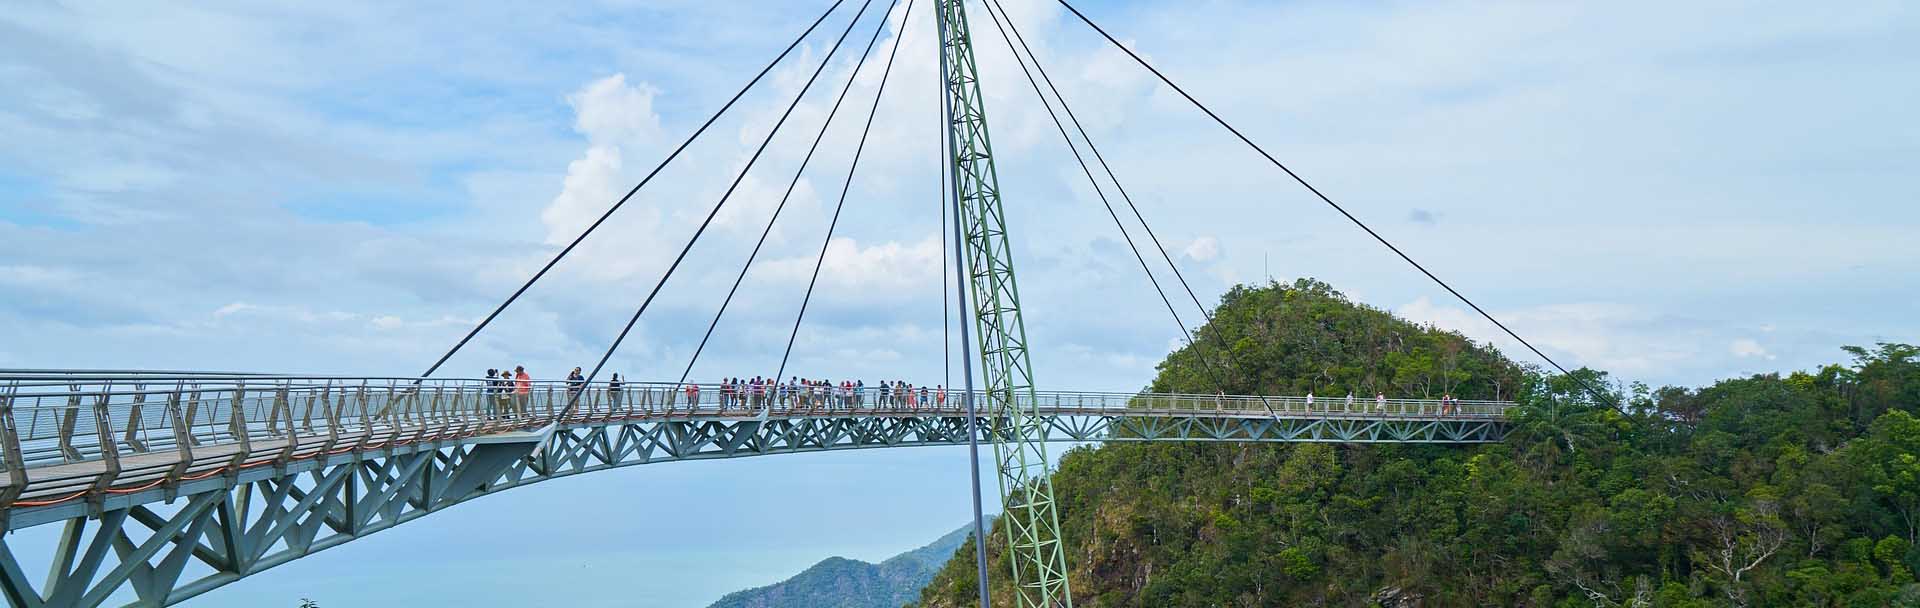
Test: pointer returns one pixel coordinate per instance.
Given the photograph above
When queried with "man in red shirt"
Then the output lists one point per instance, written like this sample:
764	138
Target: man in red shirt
522	388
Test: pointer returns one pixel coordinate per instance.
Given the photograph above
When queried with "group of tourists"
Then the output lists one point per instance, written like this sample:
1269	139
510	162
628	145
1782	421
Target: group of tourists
510	390
798	392
513	389
1448	404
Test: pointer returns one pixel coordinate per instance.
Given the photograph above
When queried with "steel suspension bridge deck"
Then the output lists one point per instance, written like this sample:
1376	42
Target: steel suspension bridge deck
219	476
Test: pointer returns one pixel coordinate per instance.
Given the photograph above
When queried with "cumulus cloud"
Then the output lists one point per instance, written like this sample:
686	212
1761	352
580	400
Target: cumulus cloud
236	307
617	118
588	189
611	112
1747	348
1606	336
879	270
614	116
1202	249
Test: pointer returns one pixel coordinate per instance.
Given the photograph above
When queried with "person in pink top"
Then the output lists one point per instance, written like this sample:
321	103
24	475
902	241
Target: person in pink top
522	388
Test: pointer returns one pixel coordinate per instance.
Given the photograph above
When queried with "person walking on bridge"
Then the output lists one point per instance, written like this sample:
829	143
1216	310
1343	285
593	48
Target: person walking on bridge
522	389
613	392
491	393
1380	402
575	383
503	391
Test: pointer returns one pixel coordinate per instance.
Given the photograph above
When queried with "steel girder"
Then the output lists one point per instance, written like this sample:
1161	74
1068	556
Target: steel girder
153	551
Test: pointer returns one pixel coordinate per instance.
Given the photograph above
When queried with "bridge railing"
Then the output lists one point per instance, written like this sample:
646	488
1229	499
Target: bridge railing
77	431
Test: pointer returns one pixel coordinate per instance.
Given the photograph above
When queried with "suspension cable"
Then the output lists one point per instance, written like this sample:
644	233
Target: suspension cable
1102	161
636	188
1329	201
791	185
1091	180
575	399
878	94
946	323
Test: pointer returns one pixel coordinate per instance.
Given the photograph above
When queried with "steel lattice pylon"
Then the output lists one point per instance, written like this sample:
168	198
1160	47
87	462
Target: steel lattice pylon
1031	521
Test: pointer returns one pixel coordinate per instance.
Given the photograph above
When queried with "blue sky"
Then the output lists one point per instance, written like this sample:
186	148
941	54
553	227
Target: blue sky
345	187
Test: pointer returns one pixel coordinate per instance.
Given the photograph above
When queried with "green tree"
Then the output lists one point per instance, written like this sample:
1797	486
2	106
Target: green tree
1767	490
1889	459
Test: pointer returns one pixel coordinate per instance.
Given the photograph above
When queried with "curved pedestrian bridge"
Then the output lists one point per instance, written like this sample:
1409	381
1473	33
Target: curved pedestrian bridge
190	480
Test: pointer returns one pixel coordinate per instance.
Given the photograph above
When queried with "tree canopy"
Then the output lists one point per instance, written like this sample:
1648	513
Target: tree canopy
1769	490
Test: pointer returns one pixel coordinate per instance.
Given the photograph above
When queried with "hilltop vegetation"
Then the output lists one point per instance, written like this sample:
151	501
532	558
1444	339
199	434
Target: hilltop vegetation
1771	490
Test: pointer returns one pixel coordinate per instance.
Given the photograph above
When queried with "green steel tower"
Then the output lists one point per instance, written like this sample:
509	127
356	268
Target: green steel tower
1031	522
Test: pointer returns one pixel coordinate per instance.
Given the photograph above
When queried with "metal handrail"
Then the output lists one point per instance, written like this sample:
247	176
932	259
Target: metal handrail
235	421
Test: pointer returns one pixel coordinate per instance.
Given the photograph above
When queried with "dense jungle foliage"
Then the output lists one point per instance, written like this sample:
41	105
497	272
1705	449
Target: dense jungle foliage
1772	490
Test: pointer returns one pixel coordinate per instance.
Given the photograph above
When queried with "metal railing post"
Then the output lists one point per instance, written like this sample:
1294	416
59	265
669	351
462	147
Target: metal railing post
15	461
109	450
332	414
193	410
284	406
273	410
182	440
237	427
67	450
366	418
306	415
134	419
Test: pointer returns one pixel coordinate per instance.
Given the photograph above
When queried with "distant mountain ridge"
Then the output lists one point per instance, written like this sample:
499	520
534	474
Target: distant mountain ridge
838	582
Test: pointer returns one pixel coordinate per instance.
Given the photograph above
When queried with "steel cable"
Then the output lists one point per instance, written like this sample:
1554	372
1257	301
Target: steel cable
878	94
742	175
1329	201
629	195
1218	381
835	111
1102	161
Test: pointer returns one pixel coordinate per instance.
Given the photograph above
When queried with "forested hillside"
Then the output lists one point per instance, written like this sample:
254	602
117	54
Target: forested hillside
838	582
1794	490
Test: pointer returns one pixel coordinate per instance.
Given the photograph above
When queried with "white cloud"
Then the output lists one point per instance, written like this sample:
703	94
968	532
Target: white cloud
883	270
1202	249
615	116
1748	347
236	307
611	112
1605	336
590	187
